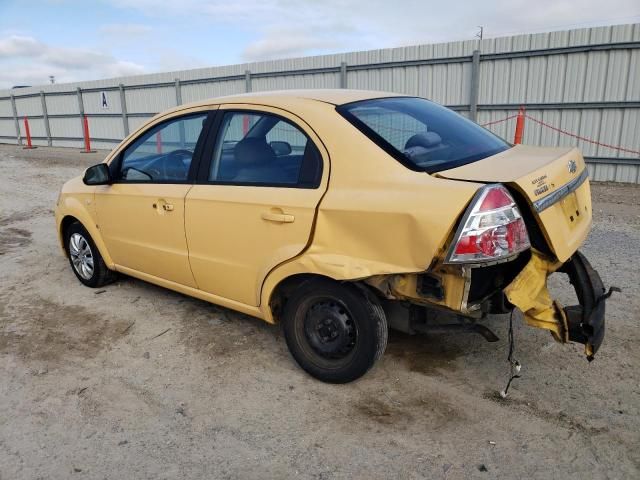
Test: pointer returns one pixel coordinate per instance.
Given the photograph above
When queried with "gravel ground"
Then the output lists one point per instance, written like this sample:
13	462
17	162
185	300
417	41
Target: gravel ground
89	390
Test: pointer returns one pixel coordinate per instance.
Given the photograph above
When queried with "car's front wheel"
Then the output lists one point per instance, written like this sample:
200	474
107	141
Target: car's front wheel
336	332
84	257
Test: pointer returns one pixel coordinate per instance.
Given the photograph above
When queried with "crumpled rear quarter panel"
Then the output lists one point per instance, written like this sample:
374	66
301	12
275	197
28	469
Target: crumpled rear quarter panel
377	216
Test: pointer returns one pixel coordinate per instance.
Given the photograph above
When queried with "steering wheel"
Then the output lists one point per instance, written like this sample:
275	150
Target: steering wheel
174	166
183	152
171	166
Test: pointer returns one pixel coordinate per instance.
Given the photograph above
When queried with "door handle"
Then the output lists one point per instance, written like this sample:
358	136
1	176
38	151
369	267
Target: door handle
278	217
167	207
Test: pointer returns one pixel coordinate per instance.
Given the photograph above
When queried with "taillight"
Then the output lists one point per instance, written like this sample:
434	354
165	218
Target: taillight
491	230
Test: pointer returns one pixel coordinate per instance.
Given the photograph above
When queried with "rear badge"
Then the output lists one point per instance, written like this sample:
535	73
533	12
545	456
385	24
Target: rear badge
541	185
572	166
542	189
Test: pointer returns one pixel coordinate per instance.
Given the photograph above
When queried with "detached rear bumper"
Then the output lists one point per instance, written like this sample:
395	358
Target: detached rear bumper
582	323
585	321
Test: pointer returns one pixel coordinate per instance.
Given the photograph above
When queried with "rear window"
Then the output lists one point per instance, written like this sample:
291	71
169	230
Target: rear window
421	134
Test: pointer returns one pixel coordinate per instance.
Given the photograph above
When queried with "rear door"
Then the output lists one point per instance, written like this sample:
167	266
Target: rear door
261	179
141	215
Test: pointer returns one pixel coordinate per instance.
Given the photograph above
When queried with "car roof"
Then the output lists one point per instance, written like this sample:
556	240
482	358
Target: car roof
285	98
335	96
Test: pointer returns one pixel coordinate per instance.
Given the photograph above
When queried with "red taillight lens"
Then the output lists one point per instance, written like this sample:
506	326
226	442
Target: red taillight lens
493	229
496	198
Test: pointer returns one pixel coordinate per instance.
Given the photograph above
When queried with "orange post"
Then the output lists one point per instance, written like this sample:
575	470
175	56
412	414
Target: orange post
159	142
245	124
27	132
517	138
87	137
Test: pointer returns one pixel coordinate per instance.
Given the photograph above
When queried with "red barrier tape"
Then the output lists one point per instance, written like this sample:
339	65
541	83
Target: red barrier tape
499	121
594	142
564	132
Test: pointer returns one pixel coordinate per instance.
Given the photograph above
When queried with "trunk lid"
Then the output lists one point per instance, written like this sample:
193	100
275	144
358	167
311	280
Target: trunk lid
553	180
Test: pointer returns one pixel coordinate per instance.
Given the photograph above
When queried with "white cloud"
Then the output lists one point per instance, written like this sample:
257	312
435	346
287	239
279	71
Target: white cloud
120	68
17	45
125	29
28	61
278	43
73	58
287	27
268	29
169	59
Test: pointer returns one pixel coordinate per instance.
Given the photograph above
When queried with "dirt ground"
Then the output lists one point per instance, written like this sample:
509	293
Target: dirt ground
91	388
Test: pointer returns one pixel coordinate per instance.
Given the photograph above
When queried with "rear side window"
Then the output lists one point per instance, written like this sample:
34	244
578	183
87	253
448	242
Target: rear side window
421	134
264	149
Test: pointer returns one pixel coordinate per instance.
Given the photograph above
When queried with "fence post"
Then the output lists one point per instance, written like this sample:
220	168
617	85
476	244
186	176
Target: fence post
15	119
182	132
178	93
81	109
87	136
517	137
27	132
343	74
45	116
247	81
123	108
475	85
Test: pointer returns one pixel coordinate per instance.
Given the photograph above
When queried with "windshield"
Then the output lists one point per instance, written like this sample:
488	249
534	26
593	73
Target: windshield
421	134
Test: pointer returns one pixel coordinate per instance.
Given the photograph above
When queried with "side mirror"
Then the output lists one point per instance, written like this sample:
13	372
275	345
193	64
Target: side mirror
280	148
97	175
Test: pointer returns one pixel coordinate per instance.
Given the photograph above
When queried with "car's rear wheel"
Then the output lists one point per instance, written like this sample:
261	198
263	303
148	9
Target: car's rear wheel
336	332
85	259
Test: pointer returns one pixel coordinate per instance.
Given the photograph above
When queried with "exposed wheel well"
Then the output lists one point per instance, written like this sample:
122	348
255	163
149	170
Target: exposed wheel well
283	291
64	225
285	288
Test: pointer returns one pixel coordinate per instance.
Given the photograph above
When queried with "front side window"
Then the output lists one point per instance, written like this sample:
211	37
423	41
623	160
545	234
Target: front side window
164	153
421	134
264	149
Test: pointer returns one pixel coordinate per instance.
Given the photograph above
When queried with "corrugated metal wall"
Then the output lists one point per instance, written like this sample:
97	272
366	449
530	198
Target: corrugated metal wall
585	82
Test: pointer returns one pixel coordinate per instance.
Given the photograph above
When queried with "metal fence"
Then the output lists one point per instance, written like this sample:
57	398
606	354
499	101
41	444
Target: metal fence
579	87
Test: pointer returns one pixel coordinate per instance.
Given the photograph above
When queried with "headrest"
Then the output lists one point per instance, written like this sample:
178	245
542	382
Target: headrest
424	139
253	151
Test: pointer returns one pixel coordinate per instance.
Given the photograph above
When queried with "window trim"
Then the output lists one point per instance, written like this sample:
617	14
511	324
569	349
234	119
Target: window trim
202	176
116	165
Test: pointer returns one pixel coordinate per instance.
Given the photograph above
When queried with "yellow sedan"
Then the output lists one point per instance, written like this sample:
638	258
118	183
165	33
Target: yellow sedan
340	213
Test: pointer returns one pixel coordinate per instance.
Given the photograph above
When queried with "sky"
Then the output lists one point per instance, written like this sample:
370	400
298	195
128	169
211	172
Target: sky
77	40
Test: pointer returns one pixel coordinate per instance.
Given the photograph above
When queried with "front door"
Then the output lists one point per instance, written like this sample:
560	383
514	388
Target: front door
254	204
141	215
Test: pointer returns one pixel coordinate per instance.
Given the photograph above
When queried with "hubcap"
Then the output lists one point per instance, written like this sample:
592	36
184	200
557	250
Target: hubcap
81	256
330	330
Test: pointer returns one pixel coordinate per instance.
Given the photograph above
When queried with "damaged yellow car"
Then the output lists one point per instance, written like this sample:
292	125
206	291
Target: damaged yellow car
340	213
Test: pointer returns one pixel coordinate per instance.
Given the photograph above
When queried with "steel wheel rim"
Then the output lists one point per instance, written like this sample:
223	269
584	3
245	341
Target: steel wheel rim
81	256
329	331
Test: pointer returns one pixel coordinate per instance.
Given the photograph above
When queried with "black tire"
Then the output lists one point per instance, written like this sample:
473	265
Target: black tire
335	331
99	275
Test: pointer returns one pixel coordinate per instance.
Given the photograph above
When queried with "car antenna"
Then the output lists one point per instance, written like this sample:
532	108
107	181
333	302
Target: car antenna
514	365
